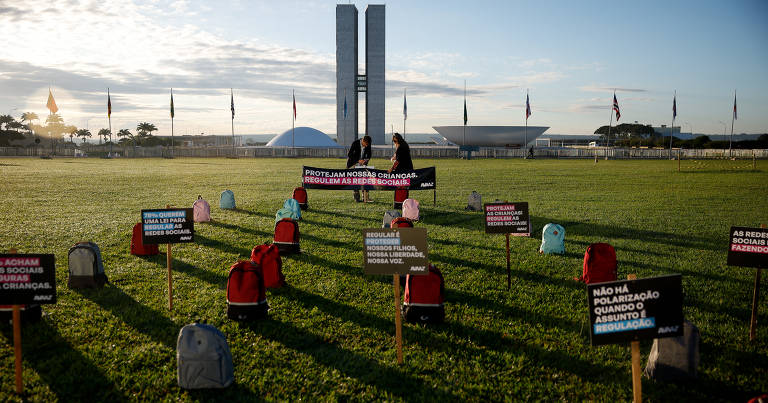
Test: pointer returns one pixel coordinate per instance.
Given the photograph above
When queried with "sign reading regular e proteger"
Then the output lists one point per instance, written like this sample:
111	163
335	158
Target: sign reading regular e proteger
395	251
167	226
630	310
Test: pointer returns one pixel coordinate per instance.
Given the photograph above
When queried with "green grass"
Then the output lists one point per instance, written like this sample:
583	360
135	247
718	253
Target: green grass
330	335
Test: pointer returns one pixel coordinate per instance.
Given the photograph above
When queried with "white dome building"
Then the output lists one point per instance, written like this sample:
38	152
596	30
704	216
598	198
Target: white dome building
303	137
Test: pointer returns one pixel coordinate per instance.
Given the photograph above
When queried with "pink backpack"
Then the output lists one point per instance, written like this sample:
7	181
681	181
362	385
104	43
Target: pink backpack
201	210
411	209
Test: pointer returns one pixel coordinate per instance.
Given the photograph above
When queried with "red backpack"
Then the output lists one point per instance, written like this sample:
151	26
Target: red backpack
246	294
599	264
300	194
268	257
400	195
287	236
401	222
137	246
424	297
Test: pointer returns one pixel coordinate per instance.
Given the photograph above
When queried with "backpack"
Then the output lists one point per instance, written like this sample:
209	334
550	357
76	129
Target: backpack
203	358
287	236
552	239
401	222
599	264
424	297
300	195
137	245
246	294
201	210
284	212
294	206
389	215
227	200
268	257
411	209
86	269
400	195
675	358
29	313
475	202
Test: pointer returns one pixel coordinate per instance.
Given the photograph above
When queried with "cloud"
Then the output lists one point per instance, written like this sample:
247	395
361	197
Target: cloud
593	88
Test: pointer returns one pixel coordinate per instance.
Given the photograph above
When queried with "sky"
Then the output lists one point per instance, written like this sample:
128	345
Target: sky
569	56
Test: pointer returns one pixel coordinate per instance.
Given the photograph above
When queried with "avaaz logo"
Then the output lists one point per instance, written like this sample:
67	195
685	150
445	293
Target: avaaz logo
668	329
427	184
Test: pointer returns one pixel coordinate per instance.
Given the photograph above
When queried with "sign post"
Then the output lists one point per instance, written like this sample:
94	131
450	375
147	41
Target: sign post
509	219
633	310
749	248
395	251
25	279
168	226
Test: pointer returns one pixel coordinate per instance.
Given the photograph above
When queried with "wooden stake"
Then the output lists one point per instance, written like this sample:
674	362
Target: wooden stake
509	273
678	160
434	197
637	384
755	298
170	277
398	320
754	164
17	343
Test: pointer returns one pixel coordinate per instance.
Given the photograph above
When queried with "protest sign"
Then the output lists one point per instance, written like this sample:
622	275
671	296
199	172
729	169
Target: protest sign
27	279
748	247
170	225
367	178
395	251
507	218
631	310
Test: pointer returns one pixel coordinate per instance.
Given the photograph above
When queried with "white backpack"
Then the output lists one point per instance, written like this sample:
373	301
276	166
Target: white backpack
475	202
411	209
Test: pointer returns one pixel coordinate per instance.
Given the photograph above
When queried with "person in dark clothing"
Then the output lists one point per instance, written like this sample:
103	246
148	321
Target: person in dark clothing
359	154
401	161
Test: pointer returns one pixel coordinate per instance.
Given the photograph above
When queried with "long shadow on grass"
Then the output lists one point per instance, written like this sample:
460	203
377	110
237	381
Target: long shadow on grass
138	316
269	236
336	214
224	247
253	213
456	219
65	370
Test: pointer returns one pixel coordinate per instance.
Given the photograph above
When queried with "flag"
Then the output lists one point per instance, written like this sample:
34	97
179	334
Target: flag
465	112
109	105
616	106
51	105
405	107
345	104
674	107
734	107
294	106
232	103
172	104
527	107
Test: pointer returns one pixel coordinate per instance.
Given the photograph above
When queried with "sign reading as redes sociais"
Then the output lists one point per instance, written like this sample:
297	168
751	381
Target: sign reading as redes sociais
27	279
748	247
167	226
631	310
507	218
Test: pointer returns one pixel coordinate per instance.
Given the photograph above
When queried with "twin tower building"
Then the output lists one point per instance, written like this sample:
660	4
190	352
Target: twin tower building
349	82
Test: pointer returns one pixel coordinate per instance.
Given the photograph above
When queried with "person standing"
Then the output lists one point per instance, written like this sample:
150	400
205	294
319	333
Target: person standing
401	162
359	154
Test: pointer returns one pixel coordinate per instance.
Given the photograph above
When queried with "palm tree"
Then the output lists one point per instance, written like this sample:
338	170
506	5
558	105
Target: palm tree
126	135
105	133
146	128
28	117
6	120
72	133
83	133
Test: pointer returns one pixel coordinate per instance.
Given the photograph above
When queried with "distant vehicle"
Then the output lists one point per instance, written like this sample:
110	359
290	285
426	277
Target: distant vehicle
593	144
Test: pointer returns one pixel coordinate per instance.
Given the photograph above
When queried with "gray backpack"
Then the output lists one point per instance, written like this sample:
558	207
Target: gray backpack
675	358
203	358
388	217
475	202
86	269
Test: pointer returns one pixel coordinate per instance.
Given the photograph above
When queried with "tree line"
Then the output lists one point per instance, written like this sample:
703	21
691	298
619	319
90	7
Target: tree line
639	135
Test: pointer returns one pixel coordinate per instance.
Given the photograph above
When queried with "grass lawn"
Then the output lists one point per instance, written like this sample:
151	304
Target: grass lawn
330	335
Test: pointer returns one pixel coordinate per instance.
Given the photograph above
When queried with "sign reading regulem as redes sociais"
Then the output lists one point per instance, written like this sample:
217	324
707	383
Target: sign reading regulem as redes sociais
27	279
395	251
748	247
631	310
171	225
507	218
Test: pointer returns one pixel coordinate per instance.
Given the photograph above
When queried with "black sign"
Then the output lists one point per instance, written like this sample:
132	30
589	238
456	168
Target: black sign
167	226
367	178
507	218
395	251
630	310
748	247
27	279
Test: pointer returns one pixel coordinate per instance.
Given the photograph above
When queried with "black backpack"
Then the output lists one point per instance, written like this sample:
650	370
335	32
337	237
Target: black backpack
86	269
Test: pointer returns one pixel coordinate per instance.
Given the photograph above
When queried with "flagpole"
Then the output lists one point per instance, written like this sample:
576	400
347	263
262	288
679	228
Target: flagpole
525	144
405	111
232	106
464	140
672	129
109	119
610	121
293	122
172	113
733	117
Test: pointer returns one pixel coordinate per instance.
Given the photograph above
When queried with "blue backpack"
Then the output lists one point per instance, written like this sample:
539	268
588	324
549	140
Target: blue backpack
284	212
552	239
227	200
294	206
